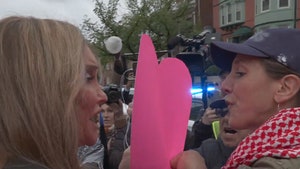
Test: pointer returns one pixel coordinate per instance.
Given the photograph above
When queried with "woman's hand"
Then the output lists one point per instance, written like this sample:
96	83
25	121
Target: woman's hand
209	116
188	160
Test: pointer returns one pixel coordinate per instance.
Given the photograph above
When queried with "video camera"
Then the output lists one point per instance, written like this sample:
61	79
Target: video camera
196	55
205	37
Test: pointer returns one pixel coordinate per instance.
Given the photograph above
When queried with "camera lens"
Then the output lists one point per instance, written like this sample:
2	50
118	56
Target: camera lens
113	96
113	93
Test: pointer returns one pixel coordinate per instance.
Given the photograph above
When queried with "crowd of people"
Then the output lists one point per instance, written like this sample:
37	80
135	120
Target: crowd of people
54	114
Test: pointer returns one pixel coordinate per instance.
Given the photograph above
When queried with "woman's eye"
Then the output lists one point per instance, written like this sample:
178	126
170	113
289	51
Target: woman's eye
240	74
88	77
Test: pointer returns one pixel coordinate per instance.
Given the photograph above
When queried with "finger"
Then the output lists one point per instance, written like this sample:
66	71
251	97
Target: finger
174	160
211	113
212	116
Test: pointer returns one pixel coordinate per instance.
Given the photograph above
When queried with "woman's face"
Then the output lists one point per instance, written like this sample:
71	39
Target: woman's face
108	115
90	98
249	93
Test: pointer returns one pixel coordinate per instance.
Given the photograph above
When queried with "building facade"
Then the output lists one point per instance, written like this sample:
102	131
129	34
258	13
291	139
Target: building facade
237	20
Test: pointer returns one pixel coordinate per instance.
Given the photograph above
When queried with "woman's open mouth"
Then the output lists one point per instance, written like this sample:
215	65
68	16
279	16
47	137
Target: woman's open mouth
95	118
229	130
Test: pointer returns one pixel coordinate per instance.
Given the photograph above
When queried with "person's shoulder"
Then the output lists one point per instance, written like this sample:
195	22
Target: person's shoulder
210	141
207	145
274	163
22	163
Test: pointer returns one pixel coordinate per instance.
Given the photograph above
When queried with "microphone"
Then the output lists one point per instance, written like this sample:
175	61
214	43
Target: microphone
113	44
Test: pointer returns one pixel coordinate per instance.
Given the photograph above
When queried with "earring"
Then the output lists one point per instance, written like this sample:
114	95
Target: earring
278	107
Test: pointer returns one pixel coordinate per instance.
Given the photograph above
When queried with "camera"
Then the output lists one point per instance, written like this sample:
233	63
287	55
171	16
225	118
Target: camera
113	93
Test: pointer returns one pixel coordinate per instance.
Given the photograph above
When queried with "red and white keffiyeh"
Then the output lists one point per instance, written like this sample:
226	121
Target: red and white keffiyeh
277	137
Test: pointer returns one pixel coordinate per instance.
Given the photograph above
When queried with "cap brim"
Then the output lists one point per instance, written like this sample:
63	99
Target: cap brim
223	53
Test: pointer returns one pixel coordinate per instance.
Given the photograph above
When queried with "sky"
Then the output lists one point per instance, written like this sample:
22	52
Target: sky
72	11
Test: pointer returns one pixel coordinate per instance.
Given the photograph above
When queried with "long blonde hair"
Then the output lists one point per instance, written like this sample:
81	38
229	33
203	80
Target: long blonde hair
41	71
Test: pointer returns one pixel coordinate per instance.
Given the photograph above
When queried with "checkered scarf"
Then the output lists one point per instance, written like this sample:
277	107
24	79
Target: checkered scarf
278	137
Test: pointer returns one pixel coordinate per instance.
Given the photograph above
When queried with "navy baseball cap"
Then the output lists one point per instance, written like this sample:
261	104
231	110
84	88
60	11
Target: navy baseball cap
281	44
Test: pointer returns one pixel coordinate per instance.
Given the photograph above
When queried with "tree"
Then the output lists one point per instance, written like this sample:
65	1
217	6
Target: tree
161	19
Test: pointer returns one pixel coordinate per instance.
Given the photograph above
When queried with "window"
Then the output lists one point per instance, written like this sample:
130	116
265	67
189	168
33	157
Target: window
238	12
283	3
229	14
265	5
222	15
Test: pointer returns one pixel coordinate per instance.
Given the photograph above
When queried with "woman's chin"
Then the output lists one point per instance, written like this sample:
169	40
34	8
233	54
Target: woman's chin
89	140
91	143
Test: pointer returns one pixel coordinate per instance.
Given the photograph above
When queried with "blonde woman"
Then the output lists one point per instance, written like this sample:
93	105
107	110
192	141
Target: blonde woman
49	98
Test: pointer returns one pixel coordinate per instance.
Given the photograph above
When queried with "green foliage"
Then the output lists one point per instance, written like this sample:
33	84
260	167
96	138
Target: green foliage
161	19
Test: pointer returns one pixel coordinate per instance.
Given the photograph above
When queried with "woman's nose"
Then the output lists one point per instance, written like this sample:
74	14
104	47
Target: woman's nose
225	86
104	115
101	94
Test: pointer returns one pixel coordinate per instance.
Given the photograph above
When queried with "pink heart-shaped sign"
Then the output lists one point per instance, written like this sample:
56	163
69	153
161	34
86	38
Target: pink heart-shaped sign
161	109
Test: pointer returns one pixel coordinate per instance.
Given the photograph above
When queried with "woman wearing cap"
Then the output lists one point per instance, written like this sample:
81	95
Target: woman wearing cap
263	93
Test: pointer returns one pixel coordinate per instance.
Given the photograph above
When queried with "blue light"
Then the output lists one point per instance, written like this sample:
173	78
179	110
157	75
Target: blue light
199	90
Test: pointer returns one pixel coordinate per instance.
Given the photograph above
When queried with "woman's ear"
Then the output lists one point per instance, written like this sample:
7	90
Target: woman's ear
289	87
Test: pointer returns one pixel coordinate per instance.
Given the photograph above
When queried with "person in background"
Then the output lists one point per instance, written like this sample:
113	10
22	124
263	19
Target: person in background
216	152
119	139
125	160
202	129
118	142
108	116
50	96
262	93
127	95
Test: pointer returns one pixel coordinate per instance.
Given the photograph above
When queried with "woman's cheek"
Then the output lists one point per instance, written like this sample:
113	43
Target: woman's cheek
84	99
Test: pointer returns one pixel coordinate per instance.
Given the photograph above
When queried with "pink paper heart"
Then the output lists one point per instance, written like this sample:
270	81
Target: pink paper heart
162	102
